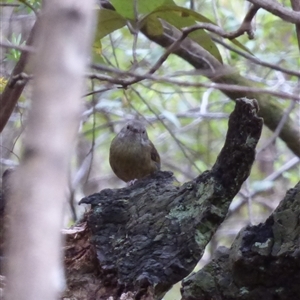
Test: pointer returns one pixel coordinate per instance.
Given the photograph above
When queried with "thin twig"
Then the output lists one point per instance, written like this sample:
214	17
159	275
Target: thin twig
245	27
256	60
249	202
9	96
278	10
272	177
114	51
168	51
23	48
98	91
169	130
10	4
287	166
135	32
30	6
278	128
246	24
216	13
296	7
220	86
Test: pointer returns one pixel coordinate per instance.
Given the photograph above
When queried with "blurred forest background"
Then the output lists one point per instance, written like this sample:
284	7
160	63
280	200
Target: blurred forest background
186	123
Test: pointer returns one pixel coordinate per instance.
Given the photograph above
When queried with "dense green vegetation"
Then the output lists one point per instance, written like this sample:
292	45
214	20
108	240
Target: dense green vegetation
186	121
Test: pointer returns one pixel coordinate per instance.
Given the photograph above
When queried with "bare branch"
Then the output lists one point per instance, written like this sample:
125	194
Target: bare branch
296	7
245	27
26	3
221	86
246	24
277	9
256	60
10	96
276	133
17	47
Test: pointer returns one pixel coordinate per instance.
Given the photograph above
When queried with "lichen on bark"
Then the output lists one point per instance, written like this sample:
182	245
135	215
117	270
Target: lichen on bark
150	235
262	263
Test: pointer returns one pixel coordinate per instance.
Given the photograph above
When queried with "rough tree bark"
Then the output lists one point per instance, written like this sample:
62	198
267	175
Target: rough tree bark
140	240
262	263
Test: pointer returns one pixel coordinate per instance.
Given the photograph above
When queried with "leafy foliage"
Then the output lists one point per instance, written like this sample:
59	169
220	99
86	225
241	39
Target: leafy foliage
151	12
13	54
186	123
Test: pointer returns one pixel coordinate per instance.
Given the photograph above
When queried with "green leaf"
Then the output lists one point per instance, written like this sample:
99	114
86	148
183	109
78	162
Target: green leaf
201	18
108	22
153	26
97	52
181	17
126	8
183	12
240	45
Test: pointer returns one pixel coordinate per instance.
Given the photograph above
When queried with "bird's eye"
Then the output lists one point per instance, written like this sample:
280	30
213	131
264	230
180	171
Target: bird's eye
143	131
128	127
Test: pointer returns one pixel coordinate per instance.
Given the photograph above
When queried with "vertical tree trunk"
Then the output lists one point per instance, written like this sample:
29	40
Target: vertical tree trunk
34	269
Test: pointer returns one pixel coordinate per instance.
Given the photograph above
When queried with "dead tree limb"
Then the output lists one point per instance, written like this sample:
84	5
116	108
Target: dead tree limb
144	238
262	263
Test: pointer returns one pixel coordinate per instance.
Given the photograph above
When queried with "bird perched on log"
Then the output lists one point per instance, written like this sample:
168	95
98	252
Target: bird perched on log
132	155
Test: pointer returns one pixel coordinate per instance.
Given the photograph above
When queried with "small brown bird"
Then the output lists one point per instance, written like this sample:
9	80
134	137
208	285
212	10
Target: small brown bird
132	155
